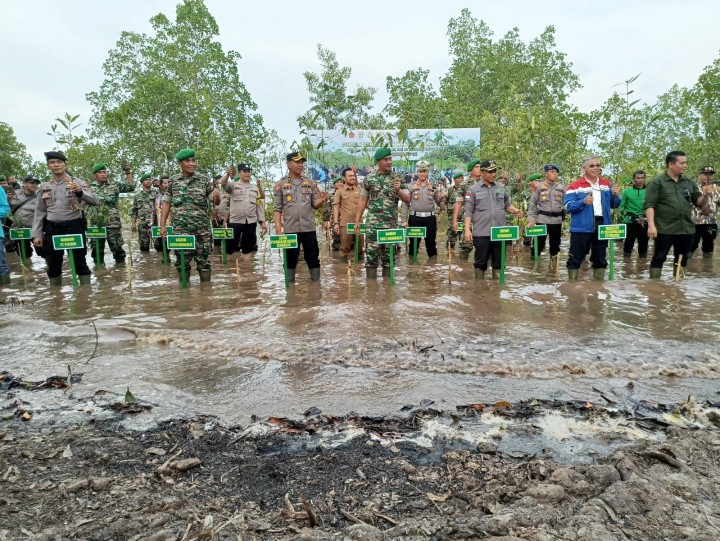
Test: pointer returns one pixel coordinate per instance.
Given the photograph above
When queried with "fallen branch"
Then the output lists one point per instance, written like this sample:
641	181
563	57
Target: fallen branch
352	518
662	457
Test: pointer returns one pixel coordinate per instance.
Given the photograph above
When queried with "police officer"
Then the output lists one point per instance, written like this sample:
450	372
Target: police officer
421	208
244	211
486	205
22	209
546	208
108	194
59	212
296	197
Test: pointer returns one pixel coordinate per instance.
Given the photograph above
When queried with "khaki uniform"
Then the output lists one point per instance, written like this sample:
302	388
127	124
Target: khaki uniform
294	198
346	199
421	213
546	207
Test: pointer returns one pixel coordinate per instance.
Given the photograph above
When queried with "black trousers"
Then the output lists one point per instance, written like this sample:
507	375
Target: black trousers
638	232
583	243
54	258
311	251
486	249
554	234
706	233
244	237
430	223
680	245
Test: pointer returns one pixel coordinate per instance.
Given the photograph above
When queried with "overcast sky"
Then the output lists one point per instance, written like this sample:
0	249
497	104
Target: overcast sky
51	53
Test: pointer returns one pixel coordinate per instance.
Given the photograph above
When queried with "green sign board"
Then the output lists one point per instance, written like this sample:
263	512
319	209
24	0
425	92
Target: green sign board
282	242
415	232
351	229
21	234
67	242
181	242
221	233
508	232
390	236
155	231
610	232
96	232
536	231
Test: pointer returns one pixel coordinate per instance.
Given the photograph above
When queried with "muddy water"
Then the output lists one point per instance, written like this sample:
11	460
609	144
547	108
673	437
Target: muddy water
244	345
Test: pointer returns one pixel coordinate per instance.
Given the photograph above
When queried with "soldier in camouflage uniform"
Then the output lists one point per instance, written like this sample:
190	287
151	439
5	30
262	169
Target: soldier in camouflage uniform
108	193
190	195
380	193
461	195
450	197
143	212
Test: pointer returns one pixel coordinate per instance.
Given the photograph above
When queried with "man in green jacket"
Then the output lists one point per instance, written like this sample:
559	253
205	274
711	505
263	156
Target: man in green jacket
669	200
633	201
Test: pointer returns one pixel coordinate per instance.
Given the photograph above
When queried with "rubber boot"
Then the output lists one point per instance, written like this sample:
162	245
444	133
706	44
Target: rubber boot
4	279
655	272
371	273
496	274
385	271
84	279
291	275
464	256
643	256
573	274
120	260
205	275
627	254
479	274
343	259
56	281
315	274
707	255
598	274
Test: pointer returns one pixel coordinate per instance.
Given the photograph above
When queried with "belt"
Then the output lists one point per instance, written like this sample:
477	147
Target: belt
551	214
67	223
421	214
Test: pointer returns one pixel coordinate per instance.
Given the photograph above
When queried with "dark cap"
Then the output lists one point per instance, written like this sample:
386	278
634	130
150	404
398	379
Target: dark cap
708	170
55	155
549	166
489	166
295	157
247	166
32	179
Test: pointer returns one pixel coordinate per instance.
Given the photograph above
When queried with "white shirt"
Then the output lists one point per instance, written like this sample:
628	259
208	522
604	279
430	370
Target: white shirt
597	196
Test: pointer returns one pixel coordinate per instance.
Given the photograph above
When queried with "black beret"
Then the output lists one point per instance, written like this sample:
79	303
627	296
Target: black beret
55	155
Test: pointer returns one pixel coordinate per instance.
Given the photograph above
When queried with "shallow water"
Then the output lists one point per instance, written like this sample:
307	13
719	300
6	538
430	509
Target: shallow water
244	345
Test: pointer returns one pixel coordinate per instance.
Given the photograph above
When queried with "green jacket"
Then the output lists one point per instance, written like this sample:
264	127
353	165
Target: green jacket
673	203
633	203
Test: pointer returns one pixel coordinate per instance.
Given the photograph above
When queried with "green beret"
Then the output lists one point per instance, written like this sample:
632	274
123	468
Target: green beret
534	177
2	177
184	154
472	164
145	176
381	153
236	177
99	167
458	175
337	179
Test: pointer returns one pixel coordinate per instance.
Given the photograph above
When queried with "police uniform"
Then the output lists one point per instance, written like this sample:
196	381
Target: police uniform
546	208
59	212
421	211
22	209
245	213
294	199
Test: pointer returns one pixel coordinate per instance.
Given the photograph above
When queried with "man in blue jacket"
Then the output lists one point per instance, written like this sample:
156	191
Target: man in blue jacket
589	200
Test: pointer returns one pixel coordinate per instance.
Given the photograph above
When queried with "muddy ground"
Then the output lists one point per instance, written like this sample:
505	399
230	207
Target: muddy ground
351	477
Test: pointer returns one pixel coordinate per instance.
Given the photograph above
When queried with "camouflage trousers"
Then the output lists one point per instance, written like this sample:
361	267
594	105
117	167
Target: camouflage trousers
335	241
114	240
202	252
374	252
144	238
455	236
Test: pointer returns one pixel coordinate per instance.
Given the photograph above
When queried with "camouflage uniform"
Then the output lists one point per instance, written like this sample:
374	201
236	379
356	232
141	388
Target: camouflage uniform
108	194
382	213
143	210
462	194
450	196
191	206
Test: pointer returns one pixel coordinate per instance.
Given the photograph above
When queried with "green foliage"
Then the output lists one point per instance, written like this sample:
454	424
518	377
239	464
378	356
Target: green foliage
332	106
14	159
175	89
413	101
97	215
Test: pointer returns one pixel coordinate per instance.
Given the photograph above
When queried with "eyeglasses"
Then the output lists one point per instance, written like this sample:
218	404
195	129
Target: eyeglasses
594	165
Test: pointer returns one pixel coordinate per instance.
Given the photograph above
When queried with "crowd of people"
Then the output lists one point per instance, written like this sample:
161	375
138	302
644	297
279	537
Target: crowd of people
672	209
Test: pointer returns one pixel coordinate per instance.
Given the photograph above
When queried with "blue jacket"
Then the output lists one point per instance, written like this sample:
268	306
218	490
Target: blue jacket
4	209
582	216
